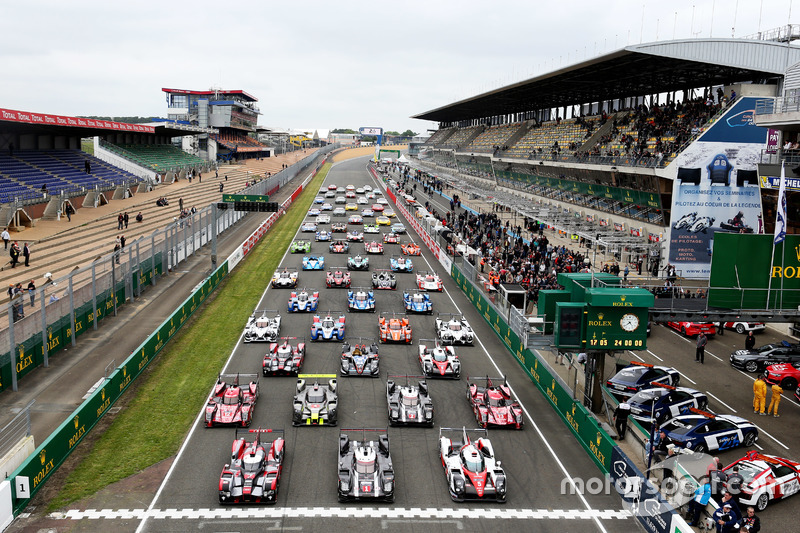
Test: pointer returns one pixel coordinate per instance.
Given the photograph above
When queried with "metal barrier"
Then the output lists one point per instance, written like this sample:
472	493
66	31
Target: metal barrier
16	430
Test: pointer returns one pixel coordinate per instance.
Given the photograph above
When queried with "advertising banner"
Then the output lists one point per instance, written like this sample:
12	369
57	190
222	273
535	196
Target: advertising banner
716	189
10	115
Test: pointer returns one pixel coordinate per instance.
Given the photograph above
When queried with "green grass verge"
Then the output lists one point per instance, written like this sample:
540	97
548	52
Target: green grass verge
159	416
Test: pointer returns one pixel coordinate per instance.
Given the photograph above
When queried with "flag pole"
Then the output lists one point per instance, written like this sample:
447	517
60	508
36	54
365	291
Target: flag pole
780	232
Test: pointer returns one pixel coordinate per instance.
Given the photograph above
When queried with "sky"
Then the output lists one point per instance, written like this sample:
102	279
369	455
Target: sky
325	65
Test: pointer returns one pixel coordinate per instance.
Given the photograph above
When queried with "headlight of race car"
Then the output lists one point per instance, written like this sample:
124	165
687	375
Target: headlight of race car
387	487
395	413
429	414
458	484
344	486
501	486
428	367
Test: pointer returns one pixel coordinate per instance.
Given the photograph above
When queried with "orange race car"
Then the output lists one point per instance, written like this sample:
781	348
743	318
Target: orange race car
394	329
410	248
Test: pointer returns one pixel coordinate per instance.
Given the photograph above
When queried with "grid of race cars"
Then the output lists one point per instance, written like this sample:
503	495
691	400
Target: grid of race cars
365	472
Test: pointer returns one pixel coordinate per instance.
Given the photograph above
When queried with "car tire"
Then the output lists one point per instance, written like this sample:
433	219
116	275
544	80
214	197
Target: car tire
749	439
789	384
751	366
762	502
739	328
683	331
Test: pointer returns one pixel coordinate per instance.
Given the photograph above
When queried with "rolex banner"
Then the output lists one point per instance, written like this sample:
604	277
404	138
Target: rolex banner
740	272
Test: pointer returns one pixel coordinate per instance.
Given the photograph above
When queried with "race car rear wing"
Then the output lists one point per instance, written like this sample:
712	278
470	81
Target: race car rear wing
263	312
244	433
237	379
393	314
490	380
451	315
464	432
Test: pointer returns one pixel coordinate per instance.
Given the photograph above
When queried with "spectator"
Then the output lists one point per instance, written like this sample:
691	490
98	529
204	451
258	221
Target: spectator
751	523
698	503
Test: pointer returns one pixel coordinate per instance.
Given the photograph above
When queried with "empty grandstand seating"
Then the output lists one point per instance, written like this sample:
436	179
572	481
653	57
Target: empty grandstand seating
489	139
158	157
24	174
233	141
460	137
440	136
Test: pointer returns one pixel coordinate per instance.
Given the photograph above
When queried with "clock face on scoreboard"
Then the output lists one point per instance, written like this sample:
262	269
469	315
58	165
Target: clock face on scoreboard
629	322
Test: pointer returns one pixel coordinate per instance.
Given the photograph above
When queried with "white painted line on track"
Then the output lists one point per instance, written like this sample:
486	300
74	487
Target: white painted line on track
195	425
636	356
524	409
770	436
690	341
720	401
654	355
687	378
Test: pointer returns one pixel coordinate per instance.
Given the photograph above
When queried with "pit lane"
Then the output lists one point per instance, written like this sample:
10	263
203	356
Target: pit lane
536	459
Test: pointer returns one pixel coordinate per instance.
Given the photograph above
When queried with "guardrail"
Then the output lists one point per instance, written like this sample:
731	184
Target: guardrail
28	479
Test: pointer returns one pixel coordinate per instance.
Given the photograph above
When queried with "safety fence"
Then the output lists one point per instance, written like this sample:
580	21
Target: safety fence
49	320
36	469
639	494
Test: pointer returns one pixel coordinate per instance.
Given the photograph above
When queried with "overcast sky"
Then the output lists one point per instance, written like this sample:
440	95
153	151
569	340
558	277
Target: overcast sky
323	65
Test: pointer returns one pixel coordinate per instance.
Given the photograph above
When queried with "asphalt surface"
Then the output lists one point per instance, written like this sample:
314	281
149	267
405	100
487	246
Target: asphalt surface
537	459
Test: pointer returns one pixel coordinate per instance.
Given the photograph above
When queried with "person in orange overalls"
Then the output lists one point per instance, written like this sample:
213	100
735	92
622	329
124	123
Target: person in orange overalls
759	395
775	400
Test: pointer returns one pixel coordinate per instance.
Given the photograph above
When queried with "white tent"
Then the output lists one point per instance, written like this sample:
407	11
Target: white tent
402	159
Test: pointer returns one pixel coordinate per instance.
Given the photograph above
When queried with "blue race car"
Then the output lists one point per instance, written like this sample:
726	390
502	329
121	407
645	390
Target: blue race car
706	432
661	403
398	263
303	301
308	227
313	262
323	235
417	302
361	300
327	329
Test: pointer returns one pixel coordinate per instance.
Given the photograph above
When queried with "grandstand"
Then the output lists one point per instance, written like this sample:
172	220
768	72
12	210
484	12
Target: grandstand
32	174
157	157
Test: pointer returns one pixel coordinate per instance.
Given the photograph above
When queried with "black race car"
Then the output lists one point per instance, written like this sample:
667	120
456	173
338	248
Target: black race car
770	354
409	405
316	404
365	468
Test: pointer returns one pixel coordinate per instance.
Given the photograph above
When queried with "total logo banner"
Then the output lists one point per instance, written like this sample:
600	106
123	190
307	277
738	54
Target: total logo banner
10	115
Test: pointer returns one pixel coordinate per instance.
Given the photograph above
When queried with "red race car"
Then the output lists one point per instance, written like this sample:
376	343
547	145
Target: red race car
373	247
283	359
394	329
255	469
693	329
766	478
391	238
339	247
338	279
494	405
784	374
231	404
378	208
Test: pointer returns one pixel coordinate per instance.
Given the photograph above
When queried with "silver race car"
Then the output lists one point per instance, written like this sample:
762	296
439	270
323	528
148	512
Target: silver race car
365	467
409	404
263	327
454	329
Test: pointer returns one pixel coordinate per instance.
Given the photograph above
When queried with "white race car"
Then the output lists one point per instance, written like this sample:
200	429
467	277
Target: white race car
473	472
428	282
454	329
263	328
285	279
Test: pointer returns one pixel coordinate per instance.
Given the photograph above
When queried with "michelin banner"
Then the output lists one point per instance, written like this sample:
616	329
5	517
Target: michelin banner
716	189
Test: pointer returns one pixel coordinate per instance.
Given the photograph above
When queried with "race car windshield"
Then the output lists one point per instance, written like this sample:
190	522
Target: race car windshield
262	323
494	400
327	323
439	355
394	325
473	462
454	326
410	401
252	461
365	467
748	471
230	399
302	297
417	298
316	396
632	373
647	396
361	297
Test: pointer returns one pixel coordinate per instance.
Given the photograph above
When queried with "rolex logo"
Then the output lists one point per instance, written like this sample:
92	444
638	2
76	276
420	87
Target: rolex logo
600	316
599	438
797	251
622	297
103	394
42	457
75	421
124	371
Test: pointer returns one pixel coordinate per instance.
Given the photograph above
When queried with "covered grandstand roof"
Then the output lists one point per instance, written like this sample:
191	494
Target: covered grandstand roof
635	70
